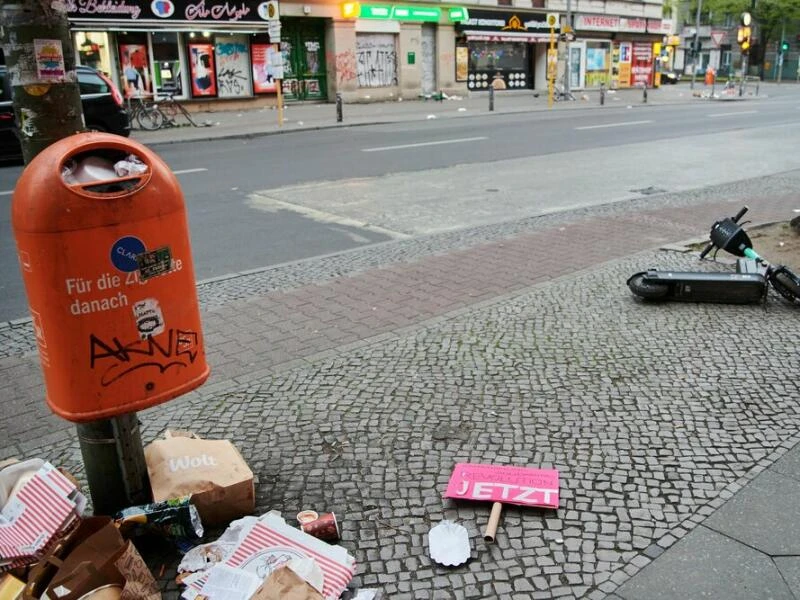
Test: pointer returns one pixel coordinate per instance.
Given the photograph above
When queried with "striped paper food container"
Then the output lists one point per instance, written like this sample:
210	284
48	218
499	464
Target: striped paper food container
271	543
45	506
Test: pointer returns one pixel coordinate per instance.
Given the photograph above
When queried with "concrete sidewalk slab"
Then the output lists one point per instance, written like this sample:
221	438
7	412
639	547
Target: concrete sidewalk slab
765	515
706	564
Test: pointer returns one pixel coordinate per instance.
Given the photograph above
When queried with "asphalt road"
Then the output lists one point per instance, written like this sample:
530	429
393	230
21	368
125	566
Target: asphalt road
229	234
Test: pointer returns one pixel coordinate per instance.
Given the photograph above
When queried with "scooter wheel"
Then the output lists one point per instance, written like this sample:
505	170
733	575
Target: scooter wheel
647	289
786	283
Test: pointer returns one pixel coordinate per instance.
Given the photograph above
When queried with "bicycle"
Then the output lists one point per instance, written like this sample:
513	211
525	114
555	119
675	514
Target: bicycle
558	91
170	108
144	114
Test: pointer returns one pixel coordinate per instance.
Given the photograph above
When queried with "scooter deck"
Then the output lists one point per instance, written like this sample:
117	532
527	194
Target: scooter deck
692	286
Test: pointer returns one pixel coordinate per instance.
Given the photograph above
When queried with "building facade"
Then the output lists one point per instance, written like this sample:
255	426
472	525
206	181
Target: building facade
228	53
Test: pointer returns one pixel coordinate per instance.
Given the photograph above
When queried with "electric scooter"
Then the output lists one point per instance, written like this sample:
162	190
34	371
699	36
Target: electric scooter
747	285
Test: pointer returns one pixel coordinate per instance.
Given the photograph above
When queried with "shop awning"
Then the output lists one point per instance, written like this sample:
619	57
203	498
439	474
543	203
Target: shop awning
506	36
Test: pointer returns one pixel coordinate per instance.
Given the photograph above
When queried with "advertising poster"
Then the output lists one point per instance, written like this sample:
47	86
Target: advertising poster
263	57
624	75
201	70
595	59
462	63
642	64
135	70
233	69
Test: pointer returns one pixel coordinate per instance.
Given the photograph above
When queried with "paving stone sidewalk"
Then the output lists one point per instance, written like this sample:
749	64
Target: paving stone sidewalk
355	383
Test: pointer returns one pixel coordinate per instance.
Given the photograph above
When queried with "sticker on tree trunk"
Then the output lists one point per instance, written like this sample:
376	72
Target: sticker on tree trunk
49	60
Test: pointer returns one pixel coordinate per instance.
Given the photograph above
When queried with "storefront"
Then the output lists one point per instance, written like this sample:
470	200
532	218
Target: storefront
195	49
504	47
616	52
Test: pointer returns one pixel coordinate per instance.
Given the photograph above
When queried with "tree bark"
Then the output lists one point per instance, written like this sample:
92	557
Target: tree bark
41	67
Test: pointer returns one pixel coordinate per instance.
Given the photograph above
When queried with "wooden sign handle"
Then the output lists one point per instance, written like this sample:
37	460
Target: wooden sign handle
494	520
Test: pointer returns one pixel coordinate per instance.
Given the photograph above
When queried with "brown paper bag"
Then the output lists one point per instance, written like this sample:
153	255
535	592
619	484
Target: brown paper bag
285	584
211	471
95	555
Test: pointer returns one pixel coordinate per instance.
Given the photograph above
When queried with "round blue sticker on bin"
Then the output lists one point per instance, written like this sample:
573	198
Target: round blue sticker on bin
124	253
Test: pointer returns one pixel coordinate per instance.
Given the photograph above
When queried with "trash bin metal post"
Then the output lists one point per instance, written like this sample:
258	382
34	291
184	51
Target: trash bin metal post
114	461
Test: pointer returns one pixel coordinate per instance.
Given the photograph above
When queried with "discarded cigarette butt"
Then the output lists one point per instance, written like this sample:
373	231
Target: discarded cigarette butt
161	572
494	520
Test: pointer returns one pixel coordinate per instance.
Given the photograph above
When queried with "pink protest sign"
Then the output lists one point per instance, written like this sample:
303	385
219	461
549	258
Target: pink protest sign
509	485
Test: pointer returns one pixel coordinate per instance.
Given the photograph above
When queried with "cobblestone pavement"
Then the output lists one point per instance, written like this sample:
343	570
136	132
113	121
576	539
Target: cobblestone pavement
357	386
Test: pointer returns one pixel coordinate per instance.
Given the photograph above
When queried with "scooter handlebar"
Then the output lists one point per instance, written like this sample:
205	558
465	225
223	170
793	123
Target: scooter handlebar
740	214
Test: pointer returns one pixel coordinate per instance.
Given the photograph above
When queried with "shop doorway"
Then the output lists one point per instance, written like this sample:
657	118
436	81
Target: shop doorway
577	69
428	58
303	49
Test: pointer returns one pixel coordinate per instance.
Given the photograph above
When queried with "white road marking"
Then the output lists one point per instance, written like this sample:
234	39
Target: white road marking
625	124
733	114
420	144
185	171
180	172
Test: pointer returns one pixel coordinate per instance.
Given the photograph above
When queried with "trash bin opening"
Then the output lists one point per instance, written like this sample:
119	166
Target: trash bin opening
105	171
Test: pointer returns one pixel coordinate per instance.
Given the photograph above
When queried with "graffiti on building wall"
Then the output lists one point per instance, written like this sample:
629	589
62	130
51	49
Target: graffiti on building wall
345	64
233	67
376	60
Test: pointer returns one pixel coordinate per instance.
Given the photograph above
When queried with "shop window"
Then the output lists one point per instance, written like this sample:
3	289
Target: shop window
537	3
499	64
504	3
376	59
167	62
134	62
93	50
598	63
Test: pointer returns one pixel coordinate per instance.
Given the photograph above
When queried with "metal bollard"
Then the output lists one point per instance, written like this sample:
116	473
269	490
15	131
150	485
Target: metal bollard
602	94
644	94
338	107
491	98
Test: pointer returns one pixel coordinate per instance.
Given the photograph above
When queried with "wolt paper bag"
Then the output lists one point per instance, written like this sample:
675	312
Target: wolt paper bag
211	471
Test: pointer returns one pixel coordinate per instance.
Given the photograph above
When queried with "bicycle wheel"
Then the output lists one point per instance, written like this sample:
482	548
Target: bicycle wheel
150	118
786	283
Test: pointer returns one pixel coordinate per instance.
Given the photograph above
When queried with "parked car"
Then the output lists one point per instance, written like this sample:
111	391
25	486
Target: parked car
670	77
103	109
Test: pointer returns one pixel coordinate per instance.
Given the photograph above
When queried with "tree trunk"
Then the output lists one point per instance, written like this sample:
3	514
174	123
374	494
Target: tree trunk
41	67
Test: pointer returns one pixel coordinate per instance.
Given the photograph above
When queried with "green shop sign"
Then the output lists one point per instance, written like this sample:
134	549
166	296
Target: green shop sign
409	13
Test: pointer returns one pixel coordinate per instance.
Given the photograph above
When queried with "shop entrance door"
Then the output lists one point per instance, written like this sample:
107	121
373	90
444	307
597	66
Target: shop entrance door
303	50
428	58
577	69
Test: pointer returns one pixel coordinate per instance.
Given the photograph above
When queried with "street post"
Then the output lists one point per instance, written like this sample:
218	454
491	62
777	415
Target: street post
696	44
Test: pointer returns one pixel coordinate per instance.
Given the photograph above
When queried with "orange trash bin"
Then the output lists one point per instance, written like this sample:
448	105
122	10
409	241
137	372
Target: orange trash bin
104	250
711	75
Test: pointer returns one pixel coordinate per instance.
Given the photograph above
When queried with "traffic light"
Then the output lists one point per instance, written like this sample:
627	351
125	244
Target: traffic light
743	37
784	46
